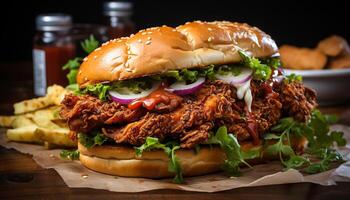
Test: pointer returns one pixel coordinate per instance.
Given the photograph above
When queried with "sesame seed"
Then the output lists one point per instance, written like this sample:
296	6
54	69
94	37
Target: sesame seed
139	40
210	39
99	48
132	35
149	38
210	29
143	33
95	57
129	57
129	52
85	59
51	155
148	42
85	79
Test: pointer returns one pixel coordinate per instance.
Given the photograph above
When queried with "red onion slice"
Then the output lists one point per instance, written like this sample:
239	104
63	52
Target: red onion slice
128	98
180	87
244	76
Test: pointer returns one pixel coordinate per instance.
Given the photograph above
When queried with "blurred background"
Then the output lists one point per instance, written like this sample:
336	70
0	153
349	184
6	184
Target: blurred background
301	23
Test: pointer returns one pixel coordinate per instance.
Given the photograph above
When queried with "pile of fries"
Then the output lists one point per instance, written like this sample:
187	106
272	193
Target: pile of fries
37	121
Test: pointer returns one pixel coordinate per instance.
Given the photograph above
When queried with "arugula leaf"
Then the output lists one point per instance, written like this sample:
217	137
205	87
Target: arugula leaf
293	78
90	141
99	90
328	156
90	44
150	143
229	144
319	124
251	153
296	161
317	131
261	71
70	154
169	148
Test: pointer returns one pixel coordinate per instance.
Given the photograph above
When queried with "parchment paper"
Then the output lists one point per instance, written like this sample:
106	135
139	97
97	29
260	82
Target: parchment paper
75	175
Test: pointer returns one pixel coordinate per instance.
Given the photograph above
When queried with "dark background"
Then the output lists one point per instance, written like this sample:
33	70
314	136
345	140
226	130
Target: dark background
300	23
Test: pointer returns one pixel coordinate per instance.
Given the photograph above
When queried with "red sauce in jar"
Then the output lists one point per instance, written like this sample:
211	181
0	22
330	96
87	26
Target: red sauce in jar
149	102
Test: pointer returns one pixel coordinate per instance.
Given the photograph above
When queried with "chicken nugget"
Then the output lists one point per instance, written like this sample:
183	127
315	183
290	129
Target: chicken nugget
293	57
334	46
340	63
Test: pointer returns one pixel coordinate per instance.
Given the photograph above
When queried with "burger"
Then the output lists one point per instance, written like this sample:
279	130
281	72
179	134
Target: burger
186	101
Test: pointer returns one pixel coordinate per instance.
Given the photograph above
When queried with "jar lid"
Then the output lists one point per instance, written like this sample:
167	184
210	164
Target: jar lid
117	8
53	22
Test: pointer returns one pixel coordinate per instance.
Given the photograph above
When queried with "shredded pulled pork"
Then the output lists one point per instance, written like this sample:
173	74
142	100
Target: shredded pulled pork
192	120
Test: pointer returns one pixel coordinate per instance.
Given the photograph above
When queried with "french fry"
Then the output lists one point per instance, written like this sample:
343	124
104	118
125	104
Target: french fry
43	118
55	136
23	134
48	145
22	121
56	94
32	105
6	121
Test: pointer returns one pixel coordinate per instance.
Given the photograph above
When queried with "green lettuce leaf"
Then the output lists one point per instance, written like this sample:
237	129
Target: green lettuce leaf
261	71
92	140
100	90
169	148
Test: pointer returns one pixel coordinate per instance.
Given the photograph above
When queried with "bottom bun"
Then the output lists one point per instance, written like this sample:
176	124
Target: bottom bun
121	160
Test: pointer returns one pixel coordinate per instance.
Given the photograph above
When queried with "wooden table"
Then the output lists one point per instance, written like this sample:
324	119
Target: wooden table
22	178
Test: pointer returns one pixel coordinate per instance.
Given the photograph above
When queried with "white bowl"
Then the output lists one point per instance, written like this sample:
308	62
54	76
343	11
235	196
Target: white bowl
332	86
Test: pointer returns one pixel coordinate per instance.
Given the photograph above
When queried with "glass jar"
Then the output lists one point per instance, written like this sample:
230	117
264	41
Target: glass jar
117	18
53	47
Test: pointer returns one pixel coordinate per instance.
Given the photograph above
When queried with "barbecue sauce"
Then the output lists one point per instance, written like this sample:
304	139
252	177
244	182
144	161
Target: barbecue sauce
152	100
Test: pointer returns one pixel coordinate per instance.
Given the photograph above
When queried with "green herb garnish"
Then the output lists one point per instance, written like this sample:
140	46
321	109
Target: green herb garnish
70	154
320	142
293	78
90	44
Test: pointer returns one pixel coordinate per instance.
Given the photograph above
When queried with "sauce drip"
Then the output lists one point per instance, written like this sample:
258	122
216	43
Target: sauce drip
151	101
